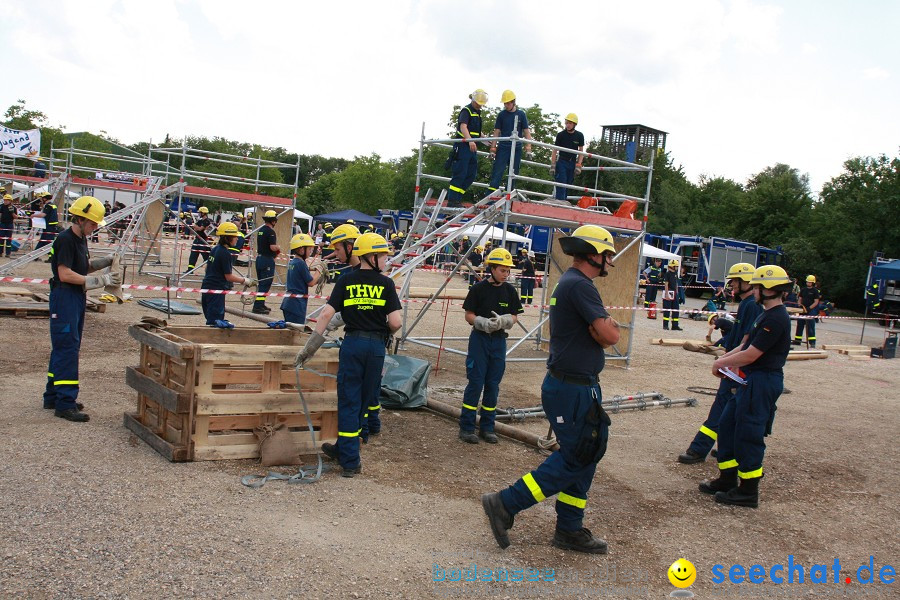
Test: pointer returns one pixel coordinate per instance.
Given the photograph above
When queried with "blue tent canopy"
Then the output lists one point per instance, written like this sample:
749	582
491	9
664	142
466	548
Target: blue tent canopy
358	218
887	271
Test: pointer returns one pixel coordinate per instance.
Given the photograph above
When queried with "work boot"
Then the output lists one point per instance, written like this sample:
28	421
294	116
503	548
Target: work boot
677	328
745	494
579	541
351	472
330	450
261	310
795	343
498	517
488	436
72	414
690	458
727	480
78	405
468	436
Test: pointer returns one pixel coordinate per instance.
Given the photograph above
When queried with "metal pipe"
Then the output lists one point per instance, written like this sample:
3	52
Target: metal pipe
614	407
509	431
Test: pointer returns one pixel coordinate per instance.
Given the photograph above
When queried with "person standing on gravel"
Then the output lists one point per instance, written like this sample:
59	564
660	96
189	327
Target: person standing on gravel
492	307
580	329
70	263
739	276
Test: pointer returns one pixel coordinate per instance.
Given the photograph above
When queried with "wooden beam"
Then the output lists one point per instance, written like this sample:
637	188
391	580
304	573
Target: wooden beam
167	398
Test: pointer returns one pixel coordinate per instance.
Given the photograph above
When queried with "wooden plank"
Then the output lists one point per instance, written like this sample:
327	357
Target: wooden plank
674	341
95	305
250	422
271	376
571	214
244	451
11	290
806	355
843	347
240	336
168	399
158	342
231	403
167	450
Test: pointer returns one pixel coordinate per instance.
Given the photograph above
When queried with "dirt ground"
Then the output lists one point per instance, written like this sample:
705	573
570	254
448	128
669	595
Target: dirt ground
90	511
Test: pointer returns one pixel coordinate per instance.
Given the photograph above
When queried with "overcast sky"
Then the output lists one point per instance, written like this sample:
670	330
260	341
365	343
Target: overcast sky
739	85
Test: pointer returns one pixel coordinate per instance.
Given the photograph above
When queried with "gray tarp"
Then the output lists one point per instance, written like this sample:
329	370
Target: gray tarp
404	383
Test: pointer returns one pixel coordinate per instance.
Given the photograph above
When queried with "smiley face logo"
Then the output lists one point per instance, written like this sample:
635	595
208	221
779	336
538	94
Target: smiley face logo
682	573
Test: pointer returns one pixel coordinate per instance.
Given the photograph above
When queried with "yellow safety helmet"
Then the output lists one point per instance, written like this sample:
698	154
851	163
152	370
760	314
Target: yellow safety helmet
301	240
508	96
742	271
770	276
7	197
227	228
393	236
400	234
673	263
488	243
370	243
203	210
270	214
810	279
90	208
351	221
479	96
588	239
711	318
344	233
478	249
572	117
499	256
328	226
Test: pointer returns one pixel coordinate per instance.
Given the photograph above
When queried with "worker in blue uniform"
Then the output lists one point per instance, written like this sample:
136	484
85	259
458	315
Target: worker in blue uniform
491	307
739	277
810	297
370	307
503	127
654	276
200	239
564	166
219	274
299	279
266	250
580	329
50	214
874	295
464	156
71	264
529	274
7	224
747	420
670	296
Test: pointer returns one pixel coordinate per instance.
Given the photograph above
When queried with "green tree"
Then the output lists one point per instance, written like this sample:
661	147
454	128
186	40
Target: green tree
366	185
318	198
18	116
776	207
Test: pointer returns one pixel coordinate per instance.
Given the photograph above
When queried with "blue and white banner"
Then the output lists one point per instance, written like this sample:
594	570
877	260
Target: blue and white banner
24	143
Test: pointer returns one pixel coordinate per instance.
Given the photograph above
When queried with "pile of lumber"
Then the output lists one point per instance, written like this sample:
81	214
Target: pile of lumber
853	352
24	303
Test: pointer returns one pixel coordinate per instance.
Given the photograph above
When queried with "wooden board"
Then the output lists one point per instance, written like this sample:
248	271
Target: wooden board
676	342
616	289
24	309
843	347
806	355
10	290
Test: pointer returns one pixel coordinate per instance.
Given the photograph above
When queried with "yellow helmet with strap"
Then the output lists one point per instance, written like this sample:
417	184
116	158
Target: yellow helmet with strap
270	214
301	240
499	256
370	243
344	233
770	276
742	271
90	208
227	228
572	117
588	239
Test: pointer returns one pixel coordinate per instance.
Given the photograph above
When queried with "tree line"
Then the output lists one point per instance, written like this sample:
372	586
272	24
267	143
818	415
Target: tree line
832	235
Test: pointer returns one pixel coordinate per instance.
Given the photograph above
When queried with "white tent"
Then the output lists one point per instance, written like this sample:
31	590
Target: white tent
648	251
299	215
494	234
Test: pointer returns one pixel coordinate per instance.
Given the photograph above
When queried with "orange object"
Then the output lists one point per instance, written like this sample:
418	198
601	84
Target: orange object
587	202
626	210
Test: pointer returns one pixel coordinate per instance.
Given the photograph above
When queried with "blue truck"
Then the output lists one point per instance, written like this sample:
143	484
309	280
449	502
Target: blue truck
707	259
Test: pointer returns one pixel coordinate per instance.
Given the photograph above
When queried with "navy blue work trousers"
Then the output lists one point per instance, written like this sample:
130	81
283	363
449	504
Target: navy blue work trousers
67	307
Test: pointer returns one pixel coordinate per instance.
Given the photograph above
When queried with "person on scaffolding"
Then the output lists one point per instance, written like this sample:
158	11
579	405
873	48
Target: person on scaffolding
463	159
200	243
568	165
370	308
580	330
503	127
266	250
219	275
492	307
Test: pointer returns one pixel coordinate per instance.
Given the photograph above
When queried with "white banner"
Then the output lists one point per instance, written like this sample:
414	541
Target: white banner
25	143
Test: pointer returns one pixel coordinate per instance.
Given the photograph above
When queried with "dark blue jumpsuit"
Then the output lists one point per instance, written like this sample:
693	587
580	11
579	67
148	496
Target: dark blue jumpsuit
565	164
364	298
486	359
200	244
265	264
747	421
298	279
571	398
464	161
504	124
67	305
51	216
7	223
217	267
670	306
748	311
808	296
528	276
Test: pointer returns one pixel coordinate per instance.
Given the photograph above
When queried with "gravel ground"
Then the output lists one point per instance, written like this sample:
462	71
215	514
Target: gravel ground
90	511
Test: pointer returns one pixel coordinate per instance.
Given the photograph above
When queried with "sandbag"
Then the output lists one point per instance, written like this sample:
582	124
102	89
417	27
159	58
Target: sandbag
276	446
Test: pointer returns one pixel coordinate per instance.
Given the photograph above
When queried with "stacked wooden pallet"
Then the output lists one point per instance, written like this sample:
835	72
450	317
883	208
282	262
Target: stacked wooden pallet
853	352
202	391
24	303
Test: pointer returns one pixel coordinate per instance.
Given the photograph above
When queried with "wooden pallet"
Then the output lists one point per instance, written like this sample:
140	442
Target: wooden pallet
23	303
202	391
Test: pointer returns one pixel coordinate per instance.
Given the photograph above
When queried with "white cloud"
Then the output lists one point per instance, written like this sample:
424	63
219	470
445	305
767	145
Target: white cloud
875	73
